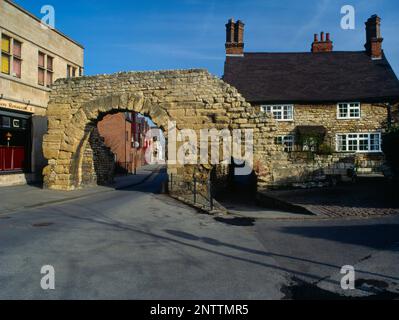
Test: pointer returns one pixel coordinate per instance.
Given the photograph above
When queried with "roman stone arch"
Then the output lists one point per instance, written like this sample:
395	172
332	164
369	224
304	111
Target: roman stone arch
193	99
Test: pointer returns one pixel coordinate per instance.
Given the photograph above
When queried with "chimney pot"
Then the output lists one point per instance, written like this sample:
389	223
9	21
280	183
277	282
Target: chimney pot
316	37
235	37
373	37
324	45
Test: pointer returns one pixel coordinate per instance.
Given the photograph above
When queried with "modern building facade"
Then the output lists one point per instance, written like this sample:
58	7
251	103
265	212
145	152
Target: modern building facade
329	105
32	58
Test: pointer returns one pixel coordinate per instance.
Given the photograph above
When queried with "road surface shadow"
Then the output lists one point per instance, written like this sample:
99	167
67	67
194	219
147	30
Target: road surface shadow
239	222
301	290
376	236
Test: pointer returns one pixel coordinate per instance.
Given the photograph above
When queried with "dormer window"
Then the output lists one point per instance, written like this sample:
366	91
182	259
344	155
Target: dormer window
348	110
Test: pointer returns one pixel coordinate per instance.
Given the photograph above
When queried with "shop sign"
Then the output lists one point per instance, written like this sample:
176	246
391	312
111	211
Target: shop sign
15	106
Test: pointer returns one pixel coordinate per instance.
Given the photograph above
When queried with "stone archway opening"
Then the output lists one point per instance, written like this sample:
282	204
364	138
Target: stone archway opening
119	144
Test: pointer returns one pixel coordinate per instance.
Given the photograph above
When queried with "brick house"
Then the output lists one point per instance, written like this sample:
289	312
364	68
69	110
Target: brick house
125	135
331	107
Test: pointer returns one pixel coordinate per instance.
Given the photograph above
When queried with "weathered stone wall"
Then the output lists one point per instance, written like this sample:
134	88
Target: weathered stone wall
296	167
373	119
98	161
194	99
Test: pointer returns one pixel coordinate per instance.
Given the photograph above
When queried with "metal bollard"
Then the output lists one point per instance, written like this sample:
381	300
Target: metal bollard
210	194
195	189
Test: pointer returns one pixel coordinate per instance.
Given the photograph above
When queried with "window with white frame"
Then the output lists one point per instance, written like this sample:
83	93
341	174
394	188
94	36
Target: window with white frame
280	112
287	141
349	110
359	142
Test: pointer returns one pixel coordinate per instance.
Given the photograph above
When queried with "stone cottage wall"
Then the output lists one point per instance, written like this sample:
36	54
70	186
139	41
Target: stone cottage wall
288	168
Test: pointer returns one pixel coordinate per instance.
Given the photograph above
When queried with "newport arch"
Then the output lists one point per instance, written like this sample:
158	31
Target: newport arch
193	99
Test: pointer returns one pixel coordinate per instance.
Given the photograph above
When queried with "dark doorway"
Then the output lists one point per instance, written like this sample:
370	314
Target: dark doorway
15	142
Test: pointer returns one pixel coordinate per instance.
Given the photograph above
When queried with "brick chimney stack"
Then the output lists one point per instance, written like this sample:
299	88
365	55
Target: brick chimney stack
373	37
324	45
235	38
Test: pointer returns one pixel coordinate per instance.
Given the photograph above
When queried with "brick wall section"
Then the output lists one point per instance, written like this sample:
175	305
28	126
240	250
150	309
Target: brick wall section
113	129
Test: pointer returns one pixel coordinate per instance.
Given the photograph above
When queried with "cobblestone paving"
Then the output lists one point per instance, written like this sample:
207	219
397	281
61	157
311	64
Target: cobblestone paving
367	198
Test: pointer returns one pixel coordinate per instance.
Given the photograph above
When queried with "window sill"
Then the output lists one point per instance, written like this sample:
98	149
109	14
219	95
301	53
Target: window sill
22	82
284	120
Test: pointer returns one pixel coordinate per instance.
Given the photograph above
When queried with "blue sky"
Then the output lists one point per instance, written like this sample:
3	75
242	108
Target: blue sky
130	35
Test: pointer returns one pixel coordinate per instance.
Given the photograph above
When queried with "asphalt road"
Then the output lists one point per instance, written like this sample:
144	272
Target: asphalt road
139	244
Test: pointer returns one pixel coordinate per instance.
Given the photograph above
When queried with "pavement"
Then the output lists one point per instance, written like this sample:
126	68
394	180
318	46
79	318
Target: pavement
247	208
136	243
368	197
31	196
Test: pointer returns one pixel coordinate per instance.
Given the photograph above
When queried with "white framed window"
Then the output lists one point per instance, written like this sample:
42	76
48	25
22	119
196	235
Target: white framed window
351	110
287	141
280	112
359	142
